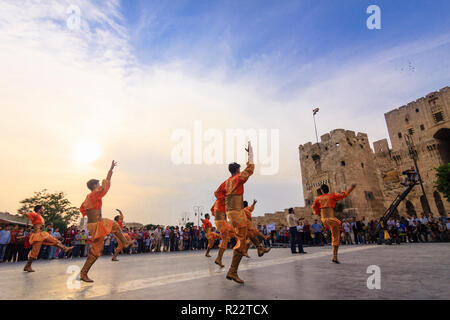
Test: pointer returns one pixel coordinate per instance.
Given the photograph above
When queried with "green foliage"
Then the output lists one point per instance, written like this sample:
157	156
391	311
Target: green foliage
149	226
57	209
443	180
339	207
189	225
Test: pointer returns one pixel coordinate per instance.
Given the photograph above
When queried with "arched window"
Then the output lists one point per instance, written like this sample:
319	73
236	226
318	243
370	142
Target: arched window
439	203
410	209
425	207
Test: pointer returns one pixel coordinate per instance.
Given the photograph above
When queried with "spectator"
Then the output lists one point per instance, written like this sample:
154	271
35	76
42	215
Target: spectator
347	229
293	233
5	237
317	229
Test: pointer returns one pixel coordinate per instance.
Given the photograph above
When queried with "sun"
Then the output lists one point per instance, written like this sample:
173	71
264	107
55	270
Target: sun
87	152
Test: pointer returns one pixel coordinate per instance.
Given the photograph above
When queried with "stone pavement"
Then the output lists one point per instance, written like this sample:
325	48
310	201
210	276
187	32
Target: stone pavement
408	271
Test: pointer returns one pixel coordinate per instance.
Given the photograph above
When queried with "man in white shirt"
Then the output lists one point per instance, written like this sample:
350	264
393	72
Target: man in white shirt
294	234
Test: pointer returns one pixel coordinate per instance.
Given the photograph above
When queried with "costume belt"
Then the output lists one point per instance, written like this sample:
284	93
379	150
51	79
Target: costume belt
94	213
220	216
234	202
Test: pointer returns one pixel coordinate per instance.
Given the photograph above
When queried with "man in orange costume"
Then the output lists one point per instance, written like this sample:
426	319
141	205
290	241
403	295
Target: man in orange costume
226	231
210	234
233	188
119	220
39	238
324	206
254	235
98	227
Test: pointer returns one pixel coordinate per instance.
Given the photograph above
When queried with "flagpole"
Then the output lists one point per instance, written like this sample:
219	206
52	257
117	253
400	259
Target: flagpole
315	127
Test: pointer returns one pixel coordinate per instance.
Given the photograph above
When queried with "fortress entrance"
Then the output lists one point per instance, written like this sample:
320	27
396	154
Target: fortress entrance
443	137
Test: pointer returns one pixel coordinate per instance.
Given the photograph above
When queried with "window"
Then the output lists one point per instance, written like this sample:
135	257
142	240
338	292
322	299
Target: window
411	131
399	135
362	165
438	117
343	163
422	127
369	195
417	110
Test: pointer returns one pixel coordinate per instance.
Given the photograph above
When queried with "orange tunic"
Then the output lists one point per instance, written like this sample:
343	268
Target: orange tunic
248	211
328	200
235	184
219	205
93	200
37	236
207	227
35	218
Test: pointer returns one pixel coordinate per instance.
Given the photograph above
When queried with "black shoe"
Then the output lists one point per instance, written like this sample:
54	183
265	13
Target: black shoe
303	252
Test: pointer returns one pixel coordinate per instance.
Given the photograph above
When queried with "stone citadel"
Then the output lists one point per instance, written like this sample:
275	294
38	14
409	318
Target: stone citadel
343	157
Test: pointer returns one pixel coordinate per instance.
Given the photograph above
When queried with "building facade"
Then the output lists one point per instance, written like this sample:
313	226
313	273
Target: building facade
343	157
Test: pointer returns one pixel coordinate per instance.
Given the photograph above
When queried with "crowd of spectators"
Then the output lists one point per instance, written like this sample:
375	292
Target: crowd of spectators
14	239
362	231
15	246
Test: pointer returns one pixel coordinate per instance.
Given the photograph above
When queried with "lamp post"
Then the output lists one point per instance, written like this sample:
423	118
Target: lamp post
198	210
413	155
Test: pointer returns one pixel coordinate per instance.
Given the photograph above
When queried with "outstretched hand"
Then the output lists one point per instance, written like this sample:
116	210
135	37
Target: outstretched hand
254	201
119	211
249	147
113	164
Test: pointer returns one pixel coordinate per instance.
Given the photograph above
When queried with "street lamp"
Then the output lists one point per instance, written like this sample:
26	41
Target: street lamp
198	210
413	155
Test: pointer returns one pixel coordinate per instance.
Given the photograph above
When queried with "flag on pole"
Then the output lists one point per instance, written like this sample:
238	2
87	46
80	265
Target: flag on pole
315	111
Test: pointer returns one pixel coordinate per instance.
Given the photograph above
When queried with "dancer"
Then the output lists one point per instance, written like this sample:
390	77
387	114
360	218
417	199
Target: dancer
254	235
234	192
210	234
98	227
226	231
119	220
39	238
324	206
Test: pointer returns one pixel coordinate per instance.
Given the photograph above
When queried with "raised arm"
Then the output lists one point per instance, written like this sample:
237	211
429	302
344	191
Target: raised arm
342	195
110	172
252	207
248	171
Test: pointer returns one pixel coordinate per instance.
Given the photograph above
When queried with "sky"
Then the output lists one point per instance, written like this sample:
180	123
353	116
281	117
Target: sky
86	82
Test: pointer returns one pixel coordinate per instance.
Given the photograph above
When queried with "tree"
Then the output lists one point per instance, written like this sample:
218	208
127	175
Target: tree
189	225
442	183
58	209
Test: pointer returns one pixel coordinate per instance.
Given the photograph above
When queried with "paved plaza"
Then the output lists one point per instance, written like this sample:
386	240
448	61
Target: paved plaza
408	271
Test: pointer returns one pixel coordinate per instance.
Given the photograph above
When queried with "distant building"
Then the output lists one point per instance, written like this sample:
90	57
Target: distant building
343	157
6	218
